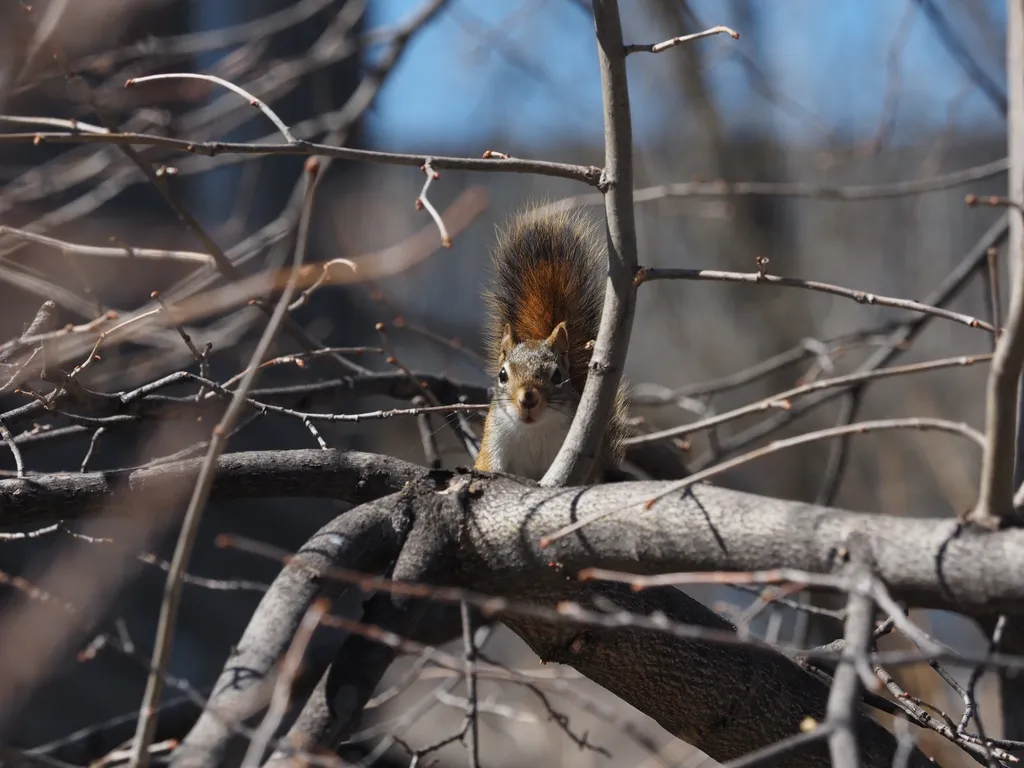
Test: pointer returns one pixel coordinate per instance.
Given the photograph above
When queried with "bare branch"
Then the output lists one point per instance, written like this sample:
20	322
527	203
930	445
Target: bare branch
781	400
281	697
580	449
852	192
271	115
586	174
191	257
898	340
995	496
354	540
861	297
673	42
346	475
862	427
846	687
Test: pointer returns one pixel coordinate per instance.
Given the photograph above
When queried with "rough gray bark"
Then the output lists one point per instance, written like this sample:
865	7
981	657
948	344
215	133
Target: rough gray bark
335	708
344	475
929	562
481	533
365	539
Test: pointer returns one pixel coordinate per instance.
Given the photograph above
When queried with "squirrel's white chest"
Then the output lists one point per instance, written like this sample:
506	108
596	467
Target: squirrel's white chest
527	450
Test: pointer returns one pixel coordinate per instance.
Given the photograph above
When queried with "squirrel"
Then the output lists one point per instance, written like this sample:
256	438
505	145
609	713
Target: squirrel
544	308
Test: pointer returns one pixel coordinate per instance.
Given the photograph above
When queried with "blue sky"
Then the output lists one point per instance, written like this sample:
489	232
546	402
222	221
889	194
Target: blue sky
528	68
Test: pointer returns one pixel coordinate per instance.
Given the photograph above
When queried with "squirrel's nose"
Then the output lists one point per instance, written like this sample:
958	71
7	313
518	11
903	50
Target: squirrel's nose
528	397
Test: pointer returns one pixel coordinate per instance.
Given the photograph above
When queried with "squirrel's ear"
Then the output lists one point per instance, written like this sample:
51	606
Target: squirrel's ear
558	340
508	339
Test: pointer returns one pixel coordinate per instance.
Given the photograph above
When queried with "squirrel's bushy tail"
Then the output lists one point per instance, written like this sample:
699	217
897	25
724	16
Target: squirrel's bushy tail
548	269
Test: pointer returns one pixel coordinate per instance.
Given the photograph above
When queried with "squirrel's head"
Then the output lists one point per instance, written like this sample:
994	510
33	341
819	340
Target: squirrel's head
534	375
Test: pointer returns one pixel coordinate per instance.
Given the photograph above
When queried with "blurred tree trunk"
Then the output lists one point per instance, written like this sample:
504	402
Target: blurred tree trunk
1012	641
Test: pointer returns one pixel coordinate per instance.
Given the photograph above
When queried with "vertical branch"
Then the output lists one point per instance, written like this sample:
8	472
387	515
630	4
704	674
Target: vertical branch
473	746
841	710
1008	637
583	443
995	500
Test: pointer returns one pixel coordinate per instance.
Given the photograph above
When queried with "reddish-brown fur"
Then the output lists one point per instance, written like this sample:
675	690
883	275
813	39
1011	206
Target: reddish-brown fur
548	271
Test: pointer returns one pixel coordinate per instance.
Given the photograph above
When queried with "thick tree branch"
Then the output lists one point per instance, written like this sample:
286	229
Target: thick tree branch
336	707
928	562
345	475
366	539
481	533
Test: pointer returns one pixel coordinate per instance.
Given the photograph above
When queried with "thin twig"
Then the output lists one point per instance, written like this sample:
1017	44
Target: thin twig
271	115
424	202
970	699
720	189
325	275
995	309
781	400
191	257
431	454
392	359
8	438
583	173
92	447
897	341
861	297
673	42
473	748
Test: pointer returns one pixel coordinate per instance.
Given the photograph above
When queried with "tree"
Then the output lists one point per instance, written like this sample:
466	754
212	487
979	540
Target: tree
584	575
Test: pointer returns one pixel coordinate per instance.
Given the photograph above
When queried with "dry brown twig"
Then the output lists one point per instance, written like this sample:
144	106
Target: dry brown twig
422	201
782	399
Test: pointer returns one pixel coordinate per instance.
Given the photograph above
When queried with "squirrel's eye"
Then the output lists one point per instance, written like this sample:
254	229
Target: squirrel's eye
503	376
556	377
